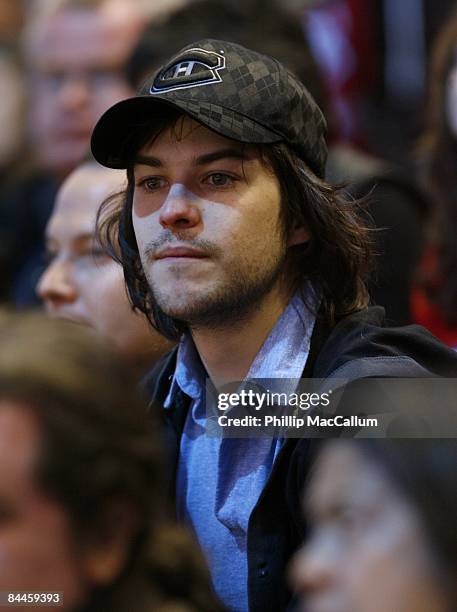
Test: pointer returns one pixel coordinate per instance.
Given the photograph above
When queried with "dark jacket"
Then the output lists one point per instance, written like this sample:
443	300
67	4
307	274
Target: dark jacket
357	347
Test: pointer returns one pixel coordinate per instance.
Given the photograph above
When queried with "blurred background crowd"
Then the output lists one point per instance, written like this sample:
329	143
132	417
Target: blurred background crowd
384	72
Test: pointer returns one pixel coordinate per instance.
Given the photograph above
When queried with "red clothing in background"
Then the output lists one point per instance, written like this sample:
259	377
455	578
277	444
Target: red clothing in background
427	313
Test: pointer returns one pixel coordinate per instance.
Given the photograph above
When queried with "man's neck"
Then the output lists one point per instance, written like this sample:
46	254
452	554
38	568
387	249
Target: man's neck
228	352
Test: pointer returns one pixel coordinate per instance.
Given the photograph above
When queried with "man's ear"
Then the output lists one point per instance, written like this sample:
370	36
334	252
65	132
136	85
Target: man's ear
299	235
105	555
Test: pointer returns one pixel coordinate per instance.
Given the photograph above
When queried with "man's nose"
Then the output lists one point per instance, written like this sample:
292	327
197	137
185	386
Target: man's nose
56	287
181	209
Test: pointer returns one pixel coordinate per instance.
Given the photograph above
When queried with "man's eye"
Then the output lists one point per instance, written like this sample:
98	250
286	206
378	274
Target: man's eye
152	183
219	179
99	253
53	80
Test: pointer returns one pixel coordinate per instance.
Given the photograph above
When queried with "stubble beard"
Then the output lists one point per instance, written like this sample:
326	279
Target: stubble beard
230	303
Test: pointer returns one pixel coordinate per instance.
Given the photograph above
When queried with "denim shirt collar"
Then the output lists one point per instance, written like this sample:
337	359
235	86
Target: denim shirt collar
282	355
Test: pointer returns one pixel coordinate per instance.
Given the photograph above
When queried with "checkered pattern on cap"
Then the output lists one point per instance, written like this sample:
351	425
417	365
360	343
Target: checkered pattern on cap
237	92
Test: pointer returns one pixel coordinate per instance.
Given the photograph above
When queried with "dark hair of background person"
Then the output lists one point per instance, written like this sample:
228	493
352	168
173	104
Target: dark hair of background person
438	149
263	26
101	449
336	259
425	472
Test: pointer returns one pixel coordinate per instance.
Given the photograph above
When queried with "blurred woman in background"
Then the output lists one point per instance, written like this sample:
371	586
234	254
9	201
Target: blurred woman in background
383	528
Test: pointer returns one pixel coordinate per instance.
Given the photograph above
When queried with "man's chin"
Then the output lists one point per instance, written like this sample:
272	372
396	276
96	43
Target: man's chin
214	304
185	313
182	303
206	313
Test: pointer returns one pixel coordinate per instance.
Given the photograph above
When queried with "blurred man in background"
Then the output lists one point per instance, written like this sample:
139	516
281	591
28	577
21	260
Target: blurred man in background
74	51
82	283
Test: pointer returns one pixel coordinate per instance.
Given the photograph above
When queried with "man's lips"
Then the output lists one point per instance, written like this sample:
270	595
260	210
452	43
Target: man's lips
180	252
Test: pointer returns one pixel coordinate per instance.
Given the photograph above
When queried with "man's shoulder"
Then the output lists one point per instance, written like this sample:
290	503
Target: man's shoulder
361	345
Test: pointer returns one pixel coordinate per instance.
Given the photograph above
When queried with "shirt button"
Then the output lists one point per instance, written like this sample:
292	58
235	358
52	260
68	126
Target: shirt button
263	570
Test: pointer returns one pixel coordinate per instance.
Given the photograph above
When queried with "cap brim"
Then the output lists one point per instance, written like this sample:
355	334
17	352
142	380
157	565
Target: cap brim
117	130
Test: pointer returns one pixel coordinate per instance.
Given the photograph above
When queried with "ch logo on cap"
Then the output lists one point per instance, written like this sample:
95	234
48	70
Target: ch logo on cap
195	67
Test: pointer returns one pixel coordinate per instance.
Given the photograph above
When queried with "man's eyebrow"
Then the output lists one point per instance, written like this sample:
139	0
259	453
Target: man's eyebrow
227	153
207	158
148	160
79	239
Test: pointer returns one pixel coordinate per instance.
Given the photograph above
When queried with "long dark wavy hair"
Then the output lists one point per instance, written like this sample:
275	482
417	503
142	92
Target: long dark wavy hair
336	259
438	149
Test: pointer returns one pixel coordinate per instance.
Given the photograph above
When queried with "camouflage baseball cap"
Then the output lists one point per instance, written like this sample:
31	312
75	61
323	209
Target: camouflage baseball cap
234	91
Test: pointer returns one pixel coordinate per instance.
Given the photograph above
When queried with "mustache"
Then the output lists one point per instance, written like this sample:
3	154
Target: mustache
170	238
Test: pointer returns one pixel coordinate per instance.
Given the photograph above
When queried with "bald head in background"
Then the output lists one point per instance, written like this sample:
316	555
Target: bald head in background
82	283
